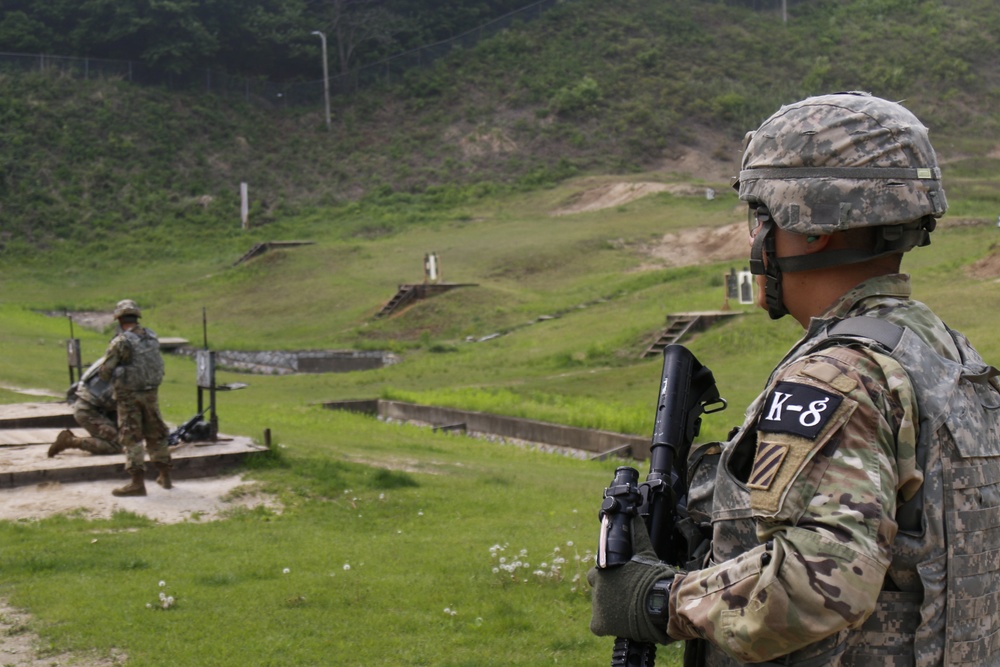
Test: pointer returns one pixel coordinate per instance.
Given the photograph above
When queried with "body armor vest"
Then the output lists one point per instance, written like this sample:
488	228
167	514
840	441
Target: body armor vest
145	371
946	554
97	392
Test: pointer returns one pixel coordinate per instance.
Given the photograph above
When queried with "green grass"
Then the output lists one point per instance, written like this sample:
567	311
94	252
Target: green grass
413	513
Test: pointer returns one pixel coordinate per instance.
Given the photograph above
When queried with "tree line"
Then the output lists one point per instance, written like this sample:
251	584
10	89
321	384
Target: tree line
271	39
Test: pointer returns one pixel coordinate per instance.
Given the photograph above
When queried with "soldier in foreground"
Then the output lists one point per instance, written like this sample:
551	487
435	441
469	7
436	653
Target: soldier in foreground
134	367
854	518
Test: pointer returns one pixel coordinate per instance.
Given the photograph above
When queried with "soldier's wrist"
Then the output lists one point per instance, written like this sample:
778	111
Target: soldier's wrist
658	602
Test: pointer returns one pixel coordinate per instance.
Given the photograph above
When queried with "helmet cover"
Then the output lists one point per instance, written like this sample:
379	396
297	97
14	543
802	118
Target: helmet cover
842	161
127	307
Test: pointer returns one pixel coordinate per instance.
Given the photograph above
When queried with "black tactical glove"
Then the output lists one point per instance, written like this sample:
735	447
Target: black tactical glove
620	601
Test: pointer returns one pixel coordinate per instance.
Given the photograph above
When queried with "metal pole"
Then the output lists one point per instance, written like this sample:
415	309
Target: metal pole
326	77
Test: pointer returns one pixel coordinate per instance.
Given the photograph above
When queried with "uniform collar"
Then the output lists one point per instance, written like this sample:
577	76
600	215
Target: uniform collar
891	286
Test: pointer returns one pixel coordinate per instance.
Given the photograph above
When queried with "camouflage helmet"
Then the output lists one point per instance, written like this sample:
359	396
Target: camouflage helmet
127	307
836	162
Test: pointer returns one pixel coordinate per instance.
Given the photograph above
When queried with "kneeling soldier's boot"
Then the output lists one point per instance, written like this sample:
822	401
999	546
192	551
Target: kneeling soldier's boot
163	479
137	487
64	441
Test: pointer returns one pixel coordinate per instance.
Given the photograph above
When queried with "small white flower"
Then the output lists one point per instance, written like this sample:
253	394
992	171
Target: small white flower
285	571
162	584
149	606
420	513
570	543
347	566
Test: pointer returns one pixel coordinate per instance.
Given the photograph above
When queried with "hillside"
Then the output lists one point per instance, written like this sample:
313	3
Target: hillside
588	88
560	172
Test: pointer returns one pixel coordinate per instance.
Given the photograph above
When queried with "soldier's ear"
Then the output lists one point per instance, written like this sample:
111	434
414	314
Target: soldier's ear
816	243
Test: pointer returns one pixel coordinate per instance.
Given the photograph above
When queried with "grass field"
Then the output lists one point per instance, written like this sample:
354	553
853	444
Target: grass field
390	534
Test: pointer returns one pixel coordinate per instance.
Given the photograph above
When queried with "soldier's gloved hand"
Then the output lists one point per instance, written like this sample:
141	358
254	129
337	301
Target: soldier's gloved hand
621	593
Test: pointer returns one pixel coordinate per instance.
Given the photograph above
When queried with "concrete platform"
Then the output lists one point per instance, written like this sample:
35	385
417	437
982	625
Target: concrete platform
27	430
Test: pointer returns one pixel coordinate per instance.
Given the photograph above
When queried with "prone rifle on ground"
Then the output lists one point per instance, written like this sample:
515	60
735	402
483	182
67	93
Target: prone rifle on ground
687	390
190	430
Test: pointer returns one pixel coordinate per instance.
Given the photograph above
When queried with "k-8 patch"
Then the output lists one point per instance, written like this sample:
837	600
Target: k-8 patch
792	415
798	409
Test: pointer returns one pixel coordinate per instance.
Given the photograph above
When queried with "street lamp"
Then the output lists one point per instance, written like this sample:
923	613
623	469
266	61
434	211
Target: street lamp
326	78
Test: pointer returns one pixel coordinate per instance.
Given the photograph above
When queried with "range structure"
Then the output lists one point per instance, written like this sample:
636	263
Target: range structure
28	429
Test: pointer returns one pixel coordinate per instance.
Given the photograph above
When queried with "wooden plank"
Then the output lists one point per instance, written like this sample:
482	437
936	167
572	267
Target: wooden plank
16	437
20	466
36	415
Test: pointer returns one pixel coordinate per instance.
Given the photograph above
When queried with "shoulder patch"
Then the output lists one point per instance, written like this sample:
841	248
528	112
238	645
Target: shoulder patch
798	409
770	456
831	375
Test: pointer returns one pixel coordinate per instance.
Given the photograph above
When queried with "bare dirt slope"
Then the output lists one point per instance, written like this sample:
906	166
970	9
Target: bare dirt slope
688	247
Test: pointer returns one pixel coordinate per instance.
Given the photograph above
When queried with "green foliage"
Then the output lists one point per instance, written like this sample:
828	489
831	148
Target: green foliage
575	411
588	87
580	97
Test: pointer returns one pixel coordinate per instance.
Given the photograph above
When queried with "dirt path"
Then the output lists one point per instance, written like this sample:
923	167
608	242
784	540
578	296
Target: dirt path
18	646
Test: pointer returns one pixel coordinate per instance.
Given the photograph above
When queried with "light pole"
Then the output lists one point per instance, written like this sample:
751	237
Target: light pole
326	77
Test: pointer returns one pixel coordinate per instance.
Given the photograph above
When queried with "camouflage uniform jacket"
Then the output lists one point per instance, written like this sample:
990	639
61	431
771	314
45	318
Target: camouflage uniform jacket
809	565
132	361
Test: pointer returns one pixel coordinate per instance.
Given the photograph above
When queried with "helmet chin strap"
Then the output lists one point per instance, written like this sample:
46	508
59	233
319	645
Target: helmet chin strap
763	247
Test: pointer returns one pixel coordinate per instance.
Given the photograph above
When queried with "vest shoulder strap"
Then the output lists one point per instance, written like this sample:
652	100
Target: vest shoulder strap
882	332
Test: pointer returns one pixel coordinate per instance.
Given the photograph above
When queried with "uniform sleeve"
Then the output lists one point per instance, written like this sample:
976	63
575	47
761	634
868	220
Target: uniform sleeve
117	354
823	488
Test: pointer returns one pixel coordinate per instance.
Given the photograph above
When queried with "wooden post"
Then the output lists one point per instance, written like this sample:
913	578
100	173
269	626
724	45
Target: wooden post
245	204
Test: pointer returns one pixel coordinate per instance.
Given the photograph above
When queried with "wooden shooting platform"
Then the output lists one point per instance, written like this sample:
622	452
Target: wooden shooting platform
28	429
680	325
410	293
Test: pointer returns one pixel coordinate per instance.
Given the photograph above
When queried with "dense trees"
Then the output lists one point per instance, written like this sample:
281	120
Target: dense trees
269	38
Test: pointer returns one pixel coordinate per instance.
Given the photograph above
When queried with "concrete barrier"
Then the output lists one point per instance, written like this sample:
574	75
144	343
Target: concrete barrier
282	362
600	443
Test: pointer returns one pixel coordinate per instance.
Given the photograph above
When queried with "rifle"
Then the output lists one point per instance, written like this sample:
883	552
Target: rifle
687	390
189	430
